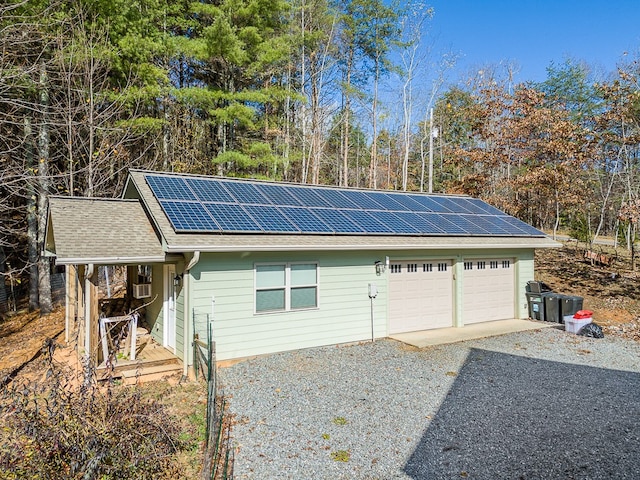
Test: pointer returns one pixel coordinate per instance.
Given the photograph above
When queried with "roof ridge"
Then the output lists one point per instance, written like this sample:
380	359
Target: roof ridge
102	199
295	184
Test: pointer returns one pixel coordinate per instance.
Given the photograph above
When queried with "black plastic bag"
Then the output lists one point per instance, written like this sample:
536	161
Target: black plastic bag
592	330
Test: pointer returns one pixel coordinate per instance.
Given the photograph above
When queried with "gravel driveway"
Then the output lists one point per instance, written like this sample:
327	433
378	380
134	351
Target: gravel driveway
542	404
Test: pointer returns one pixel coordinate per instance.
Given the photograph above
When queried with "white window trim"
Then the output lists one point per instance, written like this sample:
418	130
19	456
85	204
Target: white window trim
287	287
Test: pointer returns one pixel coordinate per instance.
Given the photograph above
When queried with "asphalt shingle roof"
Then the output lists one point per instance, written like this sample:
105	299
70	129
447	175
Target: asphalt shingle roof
96	230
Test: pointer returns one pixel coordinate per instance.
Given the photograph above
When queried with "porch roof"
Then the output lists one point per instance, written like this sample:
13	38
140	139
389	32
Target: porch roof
101	231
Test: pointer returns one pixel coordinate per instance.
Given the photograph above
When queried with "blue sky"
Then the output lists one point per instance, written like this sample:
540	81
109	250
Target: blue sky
534	33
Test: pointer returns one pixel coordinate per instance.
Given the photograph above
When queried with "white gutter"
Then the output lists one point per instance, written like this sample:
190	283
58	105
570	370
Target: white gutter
186	276
302	248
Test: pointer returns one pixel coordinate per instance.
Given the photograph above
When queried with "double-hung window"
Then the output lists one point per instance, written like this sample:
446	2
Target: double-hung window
286	286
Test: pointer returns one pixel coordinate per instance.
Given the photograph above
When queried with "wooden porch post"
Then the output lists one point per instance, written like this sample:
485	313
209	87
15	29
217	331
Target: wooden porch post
91	313
71	300
81	269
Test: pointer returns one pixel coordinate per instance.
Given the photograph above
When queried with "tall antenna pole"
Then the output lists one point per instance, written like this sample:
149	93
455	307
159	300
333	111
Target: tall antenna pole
431	151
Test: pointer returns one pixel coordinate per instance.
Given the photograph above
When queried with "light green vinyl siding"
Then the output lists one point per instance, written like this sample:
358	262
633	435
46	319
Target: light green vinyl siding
343	313
180	291
524	274
154	310
223	286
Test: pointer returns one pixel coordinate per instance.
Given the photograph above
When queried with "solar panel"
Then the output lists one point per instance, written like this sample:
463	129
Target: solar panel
525	227
279	195
443	223
209	191
308	197
188	216
363	199
468	227
406	201
489	209
471	206
366	221
270	219
338	222
396	224
335	199
232	217
421	222
481	221
430	204
201	204
387	201
450	204
246	193
305	220
170	188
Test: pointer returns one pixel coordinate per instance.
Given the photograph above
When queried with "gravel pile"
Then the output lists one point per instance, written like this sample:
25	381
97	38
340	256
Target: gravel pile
534	405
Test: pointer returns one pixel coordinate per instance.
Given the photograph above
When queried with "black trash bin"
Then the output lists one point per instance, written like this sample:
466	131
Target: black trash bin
552	312
535	301
569	305
537	287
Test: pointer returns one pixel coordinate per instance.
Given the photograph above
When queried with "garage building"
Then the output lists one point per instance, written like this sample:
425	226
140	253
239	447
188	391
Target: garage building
277	266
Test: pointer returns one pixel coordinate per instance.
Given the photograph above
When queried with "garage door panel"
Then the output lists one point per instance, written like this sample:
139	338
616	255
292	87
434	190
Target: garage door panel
488	290
420	295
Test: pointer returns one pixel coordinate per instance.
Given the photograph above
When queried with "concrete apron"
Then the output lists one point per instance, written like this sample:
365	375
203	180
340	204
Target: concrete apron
441	336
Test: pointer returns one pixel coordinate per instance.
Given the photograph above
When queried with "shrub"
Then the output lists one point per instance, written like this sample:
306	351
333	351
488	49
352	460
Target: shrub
51	429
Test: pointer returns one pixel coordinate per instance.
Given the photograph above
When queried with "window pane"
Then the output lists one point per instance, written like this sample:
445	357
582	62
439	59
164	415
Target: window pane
303	297
267	300
303	274
269	276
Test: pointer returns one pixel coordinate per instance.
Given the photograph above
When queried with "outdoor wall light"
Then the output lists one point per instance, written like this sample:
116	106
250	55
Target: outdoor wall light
176	280
380	267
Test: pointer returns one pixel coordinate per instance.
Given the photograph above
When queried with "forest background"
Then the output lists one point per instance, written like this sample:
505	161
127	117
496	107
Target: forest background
342	93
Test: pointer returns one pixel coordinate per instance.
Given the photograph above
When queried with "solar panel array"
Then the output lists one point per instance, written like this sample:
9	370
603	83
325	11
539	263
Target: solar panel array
200	204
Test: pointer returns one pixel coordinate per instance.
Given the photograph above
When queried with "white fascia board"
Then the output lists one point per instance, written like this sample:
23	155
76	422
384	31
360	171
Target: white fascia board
109	260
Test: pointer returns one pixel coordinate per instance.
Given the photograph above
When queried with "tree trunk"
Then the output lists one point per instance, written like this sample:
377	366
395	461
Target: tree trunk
32	217
632	230
165	134
3	288
44	272
556	224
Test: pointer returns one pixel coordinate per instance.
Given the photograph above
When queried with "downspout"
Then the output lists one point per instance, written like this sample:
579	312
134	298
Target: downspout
88	273
186	275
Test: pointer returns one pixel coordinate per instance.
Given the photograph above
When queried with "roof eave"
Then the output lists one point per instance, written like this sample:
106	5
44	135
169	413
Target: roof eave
372	246
109	260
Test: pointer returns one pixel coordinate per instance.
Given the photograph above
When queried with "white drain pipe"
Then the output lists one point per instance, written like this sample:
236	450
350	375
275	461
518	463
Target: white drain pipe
186	285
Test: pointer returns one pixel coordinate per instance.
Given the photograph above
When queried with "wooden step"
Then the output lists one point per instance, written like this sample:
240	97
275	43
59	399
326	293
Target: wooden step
150	374
132	365
151	370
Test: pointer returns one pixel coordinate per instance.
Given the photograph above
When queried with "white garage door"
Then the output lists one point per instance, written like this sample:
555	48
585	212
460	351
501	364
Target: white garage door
420	295
488	290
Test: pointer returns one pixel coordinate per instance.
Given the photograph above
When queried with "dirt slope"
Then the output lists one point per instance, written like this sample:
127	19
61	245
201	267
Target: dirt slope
23	335
611	292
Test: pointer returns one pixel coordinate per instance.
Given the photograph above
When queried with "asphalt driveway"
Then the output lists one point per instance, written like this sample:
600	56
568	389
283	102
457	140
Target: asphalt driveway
534	405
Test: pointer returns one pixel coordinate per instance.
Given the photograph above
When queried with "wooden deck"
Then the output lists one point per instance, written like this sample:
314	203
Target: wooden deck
153	357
